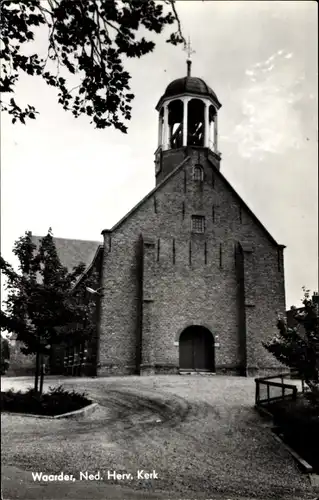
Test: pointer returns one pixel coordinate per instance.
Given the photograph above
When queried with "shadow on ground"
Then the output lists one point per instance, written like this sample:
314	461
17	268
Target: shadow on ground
201	436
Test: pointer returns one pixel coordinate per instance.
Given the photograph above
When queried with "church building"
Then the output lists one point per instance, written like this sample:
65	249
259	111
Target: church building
190	280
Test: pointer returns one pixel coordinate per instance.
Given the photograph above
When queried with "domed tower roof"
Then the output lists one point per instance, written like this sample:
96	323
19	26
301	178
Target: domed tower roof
189	85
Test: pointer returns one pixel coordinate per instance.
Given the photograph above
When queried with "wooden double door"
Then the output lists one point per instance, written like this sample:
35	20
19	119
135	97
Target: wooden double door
196	349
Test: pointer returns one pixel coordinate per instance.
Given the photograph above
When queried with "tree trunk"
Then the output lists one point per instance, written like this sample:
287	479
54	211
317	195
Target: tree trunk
37	369
41	374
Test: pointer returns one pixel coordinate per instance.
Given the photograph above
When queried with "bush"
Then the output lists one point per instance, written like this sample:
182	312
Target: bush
296	344
298	422
55	402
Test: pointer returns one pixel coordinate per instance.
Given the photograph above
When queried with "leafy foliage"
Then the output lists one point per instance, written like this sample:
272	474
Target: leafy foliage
43	307
298	347
87	38
5	355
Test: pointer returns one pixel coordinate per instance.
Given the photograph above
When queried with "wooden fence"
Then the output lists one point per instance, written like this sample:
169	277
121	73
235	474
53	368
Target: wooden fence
268	391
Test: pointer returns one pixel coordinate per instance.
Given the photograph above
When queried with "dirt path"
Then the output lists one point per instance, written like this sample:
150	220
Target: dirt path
200	435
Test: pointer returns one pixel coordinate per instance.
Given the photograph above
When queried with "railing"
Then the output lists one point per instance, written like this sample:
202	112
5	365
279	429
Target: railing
268	391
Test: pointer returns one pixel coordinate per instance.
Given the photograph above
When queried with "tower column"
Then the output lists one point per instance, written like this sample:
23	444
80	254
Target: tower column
206	125
160	129
165	126
185	120
215	134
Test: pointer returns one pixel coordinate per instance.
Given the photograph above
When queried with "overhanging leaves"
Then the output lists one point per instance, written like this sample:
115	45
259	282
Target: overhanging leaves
86	38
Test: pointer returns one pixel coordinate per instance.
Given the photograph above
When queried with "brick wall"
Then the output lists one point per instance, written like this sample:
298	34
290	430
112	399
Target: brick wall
189	279
171	158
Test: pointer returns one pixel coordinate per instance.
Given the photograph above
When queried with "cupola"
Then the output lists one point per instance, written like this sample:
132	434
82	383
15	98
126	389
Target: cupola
188	114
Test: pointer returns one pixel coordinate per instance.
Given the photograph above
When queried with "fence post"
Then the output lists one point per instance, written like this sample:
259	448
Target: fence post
257	392
294	393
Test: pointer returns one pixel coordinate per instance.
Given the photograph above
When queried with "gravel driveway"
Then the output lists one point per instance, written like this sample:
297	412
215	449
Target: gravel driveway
199	434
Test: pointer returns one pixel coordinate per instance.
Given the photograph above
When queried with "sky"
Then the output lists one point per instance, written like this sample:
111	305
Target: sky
261	60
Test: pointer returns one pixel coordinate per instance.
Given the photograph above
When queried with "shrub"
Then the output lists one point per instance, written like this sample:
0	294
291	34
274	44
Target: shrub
298	422
55	402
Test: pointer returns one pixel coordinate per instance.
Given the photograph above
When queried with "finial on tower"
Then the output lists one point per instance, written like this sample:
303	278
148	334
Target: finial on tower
190	51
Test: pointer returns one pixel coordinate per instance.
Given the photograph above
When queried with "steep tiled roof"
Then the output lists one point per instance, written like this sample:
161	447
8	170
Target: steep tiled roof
73	252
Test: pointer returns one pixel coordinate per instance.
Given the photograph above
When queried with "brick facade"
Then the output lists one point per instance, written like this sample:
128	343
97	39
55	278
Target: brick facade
158	277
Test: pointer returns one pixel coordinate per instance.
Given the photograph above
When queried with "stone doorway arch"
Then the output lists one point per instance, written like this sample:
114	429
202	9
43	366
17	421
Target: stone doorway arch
197	349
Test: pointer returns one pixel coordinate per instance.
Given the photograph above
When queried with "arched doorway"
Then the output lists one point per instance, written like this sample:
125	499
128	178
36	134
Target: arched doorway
196	349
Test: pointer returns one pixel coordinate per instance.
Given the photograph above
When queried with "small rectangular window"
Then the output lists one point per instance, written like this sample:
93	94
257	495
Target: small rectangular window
198	224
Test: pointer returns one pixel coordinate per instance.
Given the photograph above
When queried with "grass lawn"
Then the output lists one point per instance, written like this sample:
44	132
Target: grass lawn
200	434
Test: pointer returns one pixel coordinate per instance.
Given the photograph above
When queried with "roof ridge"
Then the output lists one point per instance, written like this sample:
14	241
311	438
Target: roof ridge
88	267
166	179
246	206
68	239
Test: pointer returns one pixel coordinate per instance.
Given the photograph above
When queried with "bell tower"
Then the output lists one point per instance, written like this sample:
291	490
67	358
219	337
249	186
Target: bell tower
188	121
